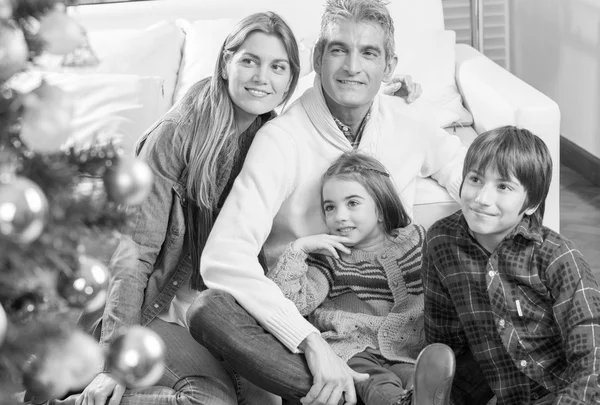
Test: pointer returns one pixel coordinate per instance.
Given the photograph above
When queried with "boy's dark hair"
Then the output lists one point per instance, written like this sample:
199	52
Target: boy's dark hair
372	175
515	152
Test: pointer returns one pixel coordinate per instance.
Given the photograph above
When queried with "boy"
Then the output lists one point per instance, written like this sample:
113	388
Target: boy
515	300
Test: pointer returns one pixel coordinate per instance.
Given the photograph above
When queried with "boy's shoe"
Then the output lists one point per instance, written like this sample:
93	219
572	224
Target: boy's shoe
433	375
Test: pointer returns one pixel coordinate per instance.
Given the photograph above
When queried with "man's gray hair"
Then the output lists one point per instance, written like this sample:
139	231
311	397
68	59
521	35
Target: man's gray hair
358	10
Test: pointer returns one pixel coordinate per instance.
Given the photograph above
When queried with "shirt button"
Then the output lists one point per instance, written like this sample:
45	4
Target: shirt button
491	273
395	284
501	323
385	334
523	363
384	256
175	283
155	305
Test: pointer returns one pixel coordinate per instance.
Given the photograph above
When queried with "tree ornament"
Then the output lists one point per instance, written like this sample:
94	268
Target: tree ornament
128	181
13	49
86	287
60	33
62	365
6	9
46	121
23	209
136	358
3	324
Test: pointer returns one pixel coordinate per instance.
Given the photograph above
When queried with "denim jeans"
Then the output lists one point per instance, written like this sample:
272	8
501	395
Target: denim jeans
469	386
231	334
387	380
192	376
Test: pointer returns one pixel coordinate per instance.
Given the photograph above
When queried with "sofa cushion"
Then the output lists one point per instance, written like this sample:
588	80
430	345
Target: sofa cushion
429	57
112	107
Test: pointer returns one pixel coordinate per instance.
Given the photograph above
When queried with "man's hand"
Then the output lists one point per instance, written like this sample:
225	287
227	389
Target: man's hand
322	243
403	86
99	390
332	378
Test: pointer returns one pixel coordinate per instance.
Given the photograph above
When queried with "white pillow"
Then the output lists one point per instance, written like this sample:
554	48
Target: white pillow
111	107
203	39
429	57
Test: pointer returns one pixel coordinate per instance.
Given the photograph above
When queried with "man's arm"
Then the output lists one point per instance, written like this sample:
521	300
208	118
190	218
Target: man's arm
229	260
577	312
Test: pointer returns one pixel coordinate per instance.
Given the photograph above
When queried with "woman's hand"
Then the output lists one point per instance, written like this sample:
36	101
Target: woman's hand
322	243
403	86
102	387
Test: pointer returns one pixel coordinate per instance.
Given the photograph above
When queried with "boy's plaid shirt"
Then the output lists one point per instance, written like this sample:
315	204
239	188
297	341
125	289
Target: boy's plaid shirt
529	312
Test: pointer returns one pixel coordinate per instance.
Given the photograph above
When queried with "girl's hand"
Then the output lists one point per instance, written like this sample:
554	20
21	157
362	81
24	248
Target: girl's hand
322	243
103	390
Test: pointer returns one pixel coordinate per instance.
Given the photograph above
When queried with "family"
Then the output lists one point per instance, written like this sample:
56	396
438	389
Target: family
277	258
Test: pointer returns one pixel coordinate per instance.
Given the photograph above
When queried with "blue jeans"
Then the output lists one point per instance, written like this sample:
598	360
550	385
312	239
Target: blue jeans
192	377
388	380
231	334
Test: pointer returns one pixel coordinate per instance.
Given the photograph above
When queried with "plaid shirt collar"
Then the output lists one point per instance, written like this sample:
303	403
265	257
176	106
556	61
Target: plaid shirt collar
354	139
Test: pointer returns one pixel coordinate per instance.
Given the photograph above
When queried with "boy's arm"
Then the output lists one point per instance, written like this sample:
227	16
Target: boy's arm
306	286
442	324
576	310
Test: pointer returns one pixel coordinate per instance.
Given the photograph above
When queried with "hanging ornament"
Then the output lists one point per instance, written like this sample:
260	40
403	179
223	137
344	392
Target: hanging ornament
46	121
13	49
23	208
6	9
85	288
60	33
62	365
3	324
136	358
128	181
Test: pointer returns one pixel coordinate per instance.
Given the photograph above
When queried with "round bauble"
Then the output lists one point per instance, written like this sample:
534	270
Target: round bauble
46	121
23	209
13	50
136	358
86	287
128	181
62	365
61	34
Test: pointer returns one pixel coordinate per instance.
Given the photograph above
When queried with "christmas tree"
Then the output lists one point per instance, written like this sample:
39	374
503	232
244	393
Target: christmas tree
61	210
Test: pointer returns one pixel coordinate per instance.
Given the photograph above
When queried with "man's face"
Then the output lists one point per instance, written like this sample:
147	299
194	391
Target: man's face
353	65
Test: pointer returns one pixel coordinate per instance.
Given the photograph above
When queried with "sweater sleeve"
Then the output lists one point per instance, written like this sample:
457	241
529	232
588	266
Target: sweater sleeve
306	286
229	260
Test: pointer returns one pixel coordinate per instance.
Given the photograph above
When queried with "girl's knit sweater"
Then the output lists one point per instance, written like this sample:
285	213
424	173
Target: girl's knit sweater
362	299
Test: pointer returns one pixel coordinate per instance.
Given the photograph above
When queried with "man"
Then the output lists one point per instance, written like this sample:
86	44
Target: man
275	200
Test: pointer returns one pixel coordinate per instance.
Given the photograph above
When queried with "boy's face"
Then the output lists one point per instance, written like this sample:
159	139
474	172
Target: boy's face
491	205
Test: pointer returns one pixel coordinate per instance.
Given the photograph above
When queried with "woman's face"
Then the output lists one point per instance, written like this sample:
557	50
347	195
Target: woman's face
258	74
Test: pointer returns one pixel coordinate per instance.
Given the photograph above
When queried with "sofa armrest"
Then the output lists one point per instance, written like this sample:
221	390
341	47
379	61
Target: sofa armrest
496	97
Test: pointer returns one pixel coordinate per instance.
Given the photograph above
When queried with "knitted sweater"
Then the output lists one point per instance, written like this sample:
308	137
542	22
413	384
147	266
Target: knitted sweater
362	299
275	198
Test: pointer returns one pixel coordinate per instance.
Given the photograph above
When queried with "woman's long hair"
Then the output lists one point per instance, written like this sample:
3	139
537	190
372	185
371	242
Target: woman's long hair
208	109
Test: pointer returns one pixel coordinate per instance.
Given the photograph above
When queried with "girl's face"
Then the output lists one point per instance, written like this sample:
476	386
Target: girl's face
350	211
258	75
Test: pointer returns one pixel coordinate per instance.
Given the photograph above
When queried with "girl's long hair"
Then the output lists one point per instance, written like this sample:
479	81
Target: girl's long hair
209	113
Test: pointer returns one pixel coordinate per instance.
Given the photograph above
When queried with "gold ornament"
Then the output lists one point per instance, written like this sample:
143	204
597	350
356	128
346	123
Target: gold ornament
128	181
87	287
60	33
62	365
46	121
136	358
23	208
13	49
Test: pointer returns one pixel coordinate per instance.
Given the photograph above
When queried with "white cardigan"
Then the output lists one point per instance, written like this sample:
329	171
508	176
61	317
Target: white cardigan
276	197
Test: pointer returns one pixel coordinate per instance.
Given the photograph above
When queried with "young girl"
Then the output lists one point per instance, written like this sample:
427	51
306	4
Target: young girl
360	284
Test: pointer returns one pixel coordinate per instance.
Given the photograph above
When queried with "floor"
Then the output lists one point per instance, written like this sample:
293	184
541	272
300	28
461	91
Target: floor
580	215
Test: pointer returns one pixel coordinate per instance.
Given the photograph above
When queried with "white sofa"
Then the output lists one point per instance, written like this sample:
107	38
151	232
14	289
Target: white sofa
152	51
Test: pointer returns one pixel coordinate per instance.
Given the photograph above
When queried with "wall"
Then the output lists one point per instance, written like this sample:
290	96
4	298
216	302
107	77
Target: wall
555	47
